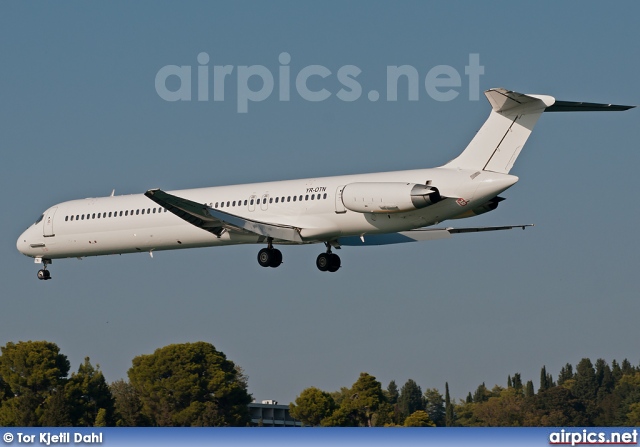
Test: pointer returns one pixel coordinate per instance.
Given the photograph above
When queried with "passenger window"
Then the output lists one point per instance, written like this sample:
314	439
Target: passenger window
277	199
313	196
142	210
288	198
234	203
324	196
245	202
71	218
148	210
271	200
99	214
301	198
294	198
82	217
251	201
77	216
216	205
137	212
66	218
228	204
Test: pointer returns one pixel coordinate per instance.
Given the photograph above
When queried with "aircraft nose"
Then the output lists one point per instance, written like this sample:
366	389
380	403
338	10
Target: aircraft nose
22	243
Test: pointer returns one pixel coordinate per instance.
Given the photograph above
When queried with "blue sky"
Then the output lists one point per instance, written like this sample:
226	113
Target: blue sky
81	116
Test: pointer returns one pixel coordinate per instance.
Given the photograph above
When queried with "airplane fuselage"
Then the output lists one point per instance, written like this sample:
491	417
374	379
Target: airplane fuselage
133	223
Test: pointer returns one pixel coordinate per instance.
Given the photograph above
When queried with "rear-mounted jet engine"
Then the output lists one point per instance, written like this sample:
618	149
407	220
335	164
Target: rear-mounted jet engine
388	197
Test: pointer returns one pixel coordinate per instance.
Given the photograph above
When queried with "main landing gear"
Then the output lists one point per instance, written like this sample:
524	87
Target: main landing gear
328	262
44	274
270	257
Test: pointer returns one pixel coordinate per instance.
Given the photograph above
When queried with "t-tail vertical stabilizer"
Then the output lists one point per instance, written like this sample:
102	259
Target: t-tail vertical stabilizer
498	143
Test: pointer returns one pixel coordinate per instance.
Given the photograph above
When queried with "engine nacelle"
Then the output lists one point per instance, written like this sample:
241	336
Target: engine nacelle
388	197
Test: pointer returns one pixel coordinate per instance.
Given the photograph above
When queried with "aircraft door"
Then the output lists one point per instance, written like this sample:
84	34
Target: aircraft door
252	203
264	205
47	225
339	205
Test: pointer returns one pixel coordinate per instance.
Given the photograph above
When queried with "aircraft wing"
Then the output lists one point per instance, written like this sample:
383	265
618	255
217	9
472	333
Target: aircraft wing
421	234
216	221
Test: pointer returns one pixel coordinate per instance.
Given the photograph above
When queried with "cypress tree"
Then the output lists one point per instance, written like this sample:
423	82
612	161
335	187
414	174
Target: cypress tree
448	407
528	391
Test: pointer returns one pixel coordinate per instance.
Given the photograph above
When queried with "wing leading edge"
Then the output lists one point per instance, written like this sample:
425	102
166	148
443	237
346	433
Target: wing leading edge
216	221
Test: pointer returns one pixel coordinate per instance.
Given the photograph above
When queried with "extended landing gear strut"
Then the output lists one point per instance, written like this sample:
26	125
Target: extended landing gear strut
328	262
43	273
270	257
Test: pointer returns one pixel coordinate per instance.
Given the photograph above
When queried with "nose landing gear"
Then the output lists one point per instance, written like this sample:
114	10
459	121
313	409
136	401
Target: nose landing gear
44	274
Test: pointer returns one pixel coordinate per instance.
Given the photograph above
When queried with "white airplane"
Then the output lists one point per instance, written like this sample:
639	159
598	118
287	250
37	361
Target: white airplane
350	210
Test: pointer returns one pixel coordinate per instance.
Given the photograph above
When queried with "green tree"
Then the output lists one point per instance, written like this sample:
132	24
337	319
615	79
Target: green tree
31	371
504	410
626	396
434	406
101	418
190	384
627	368
312	406
418	418
87	392
57	412
481	394
585	388
392	392
604	378
448	408
546	380
517	382
128	407
566	373
528	390
359	407
557	407
410	399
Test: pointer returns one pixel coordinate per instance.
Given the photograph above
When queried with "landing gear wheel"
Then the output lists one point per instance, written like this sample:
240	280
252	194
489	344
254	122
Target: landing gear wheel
44	274
270	257
264	257
276	258
334	262
323	261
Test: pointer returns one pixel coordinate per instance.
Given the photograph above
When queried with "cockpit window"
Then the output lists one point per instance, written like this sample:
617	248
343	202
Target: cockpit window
39	219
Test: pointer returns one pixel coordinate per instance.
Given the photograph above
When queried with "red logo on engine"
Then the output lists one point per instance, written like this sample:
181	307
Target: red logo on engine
461	202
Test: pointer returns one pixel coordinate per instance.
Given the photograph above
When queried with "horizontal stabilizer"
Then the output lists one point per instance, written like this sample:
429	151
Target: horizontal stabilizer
568	106
419	235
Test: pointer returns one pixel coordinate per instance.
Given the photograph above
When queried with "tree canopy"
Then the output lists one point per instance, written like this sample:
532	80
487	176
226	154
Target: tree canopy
190	384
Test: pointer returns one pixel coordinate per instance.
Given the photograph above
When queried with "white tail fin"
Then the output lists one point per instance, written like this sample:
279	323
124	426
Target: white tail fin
500	140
